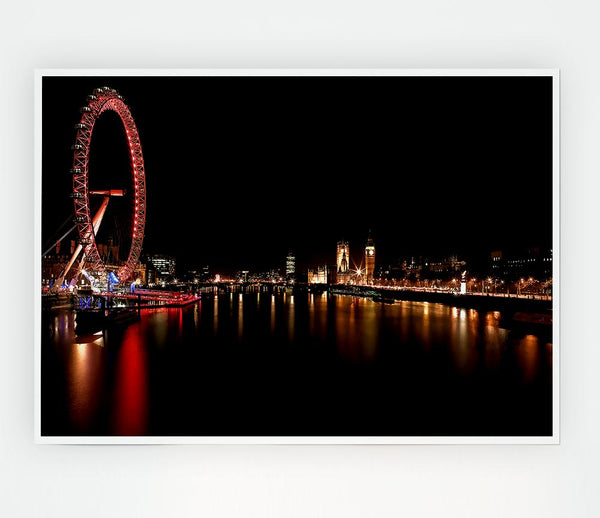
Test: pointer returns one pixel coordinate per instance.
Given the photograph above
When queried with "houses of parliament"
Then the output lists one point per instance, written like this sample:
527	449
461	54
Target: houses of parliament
345	274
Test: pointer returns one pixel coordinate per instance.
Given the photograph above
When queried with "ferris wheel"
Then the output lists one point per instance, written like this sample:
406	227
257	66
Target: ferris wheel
91	263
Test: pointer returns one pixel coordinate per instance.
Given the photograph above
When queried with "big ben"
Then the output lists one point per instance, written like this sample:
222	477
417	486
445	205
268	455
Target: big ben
369	259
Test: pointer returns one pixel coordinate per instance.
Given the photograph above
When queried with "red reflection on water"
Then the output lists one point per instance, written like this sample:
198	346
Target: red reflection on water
130	415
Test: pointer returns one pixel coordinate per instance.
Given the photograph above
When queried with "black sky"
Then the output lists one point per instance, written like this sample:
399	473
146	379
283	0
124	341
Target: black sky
241	169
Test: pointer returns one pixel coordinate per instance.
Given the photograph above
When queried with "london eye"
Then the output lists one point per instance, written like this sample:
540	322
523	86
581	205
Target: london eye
86	258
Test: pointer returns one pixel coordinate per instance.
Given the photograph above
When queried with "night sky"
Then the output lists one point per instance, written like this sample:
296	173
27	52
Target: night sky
239	170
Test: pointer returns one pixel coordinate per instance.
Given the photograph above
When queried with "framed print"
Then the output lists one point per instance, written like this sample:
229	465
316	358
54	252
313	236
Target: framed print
297	256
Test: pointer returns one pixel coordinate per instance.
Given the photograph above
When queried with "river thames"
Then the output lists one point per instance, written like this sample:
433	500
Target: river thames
262	363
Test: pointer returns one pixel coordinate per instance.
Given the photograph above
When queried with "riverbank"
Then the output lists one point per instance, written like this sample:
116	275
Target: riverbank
488	302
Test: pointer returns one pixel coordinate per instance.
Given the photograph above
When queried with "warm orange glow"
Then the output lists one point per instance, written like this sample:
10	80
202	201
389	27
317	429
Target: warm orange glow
84	381
528	353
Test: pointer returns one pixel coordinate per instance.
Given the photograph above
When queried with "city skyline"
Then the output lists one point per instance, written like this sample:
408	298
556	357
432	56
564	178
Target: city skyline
532	264
454	165
327	179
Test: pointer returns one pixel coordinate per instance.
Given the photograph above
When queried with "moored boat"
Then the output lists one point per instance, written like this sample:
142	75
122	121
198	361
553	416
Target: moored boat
88	320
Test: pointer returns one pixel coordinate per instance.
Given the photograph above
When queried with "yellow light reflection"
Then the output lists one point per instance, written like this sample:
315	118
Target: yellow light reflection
216	315
84	381
463	341
291	319
528	356
160	327
240	319
273	314
426	327
356	328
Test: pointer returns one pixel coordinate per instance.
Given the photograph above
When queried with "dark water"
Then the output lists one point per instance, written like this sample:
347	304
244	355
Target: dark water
304	364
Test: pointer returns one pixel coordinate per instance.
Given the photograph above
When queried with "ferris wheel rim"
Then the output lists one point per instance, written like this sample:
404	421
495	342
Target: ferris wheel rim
101	100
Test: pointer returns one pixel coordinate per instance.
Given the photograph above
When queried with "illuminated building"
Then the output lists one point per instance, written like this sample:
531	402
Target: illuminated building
436	268
369	260
463	283
139	273
198	275
290	267
449	265
109	252
272	276
151	276
54	262
343	262
318	276
514	264
164	266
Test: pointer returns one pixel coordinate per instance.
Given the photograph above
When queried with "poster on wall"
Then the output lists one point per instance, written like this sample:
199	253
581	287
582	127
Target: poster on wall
297	256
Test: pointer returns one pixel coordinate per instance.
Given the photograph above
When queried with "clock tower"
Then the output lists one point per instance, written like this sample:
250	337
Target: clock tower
369	260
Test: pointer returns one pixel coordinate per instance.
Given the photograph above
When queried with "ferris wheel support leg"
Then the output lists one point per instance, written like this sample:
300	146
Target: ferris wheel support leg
78	270
61	277
96	224
100	214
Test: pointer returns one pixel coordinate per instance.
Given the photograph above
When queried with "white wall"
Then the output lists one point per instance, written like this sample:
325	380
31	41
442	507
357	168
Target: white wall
449	481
